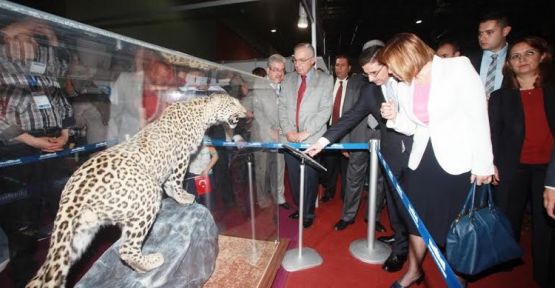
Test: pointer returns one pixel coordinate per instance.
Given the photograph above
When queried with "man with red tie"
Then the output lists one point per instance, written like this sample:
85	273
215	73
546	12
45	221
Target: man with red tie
304	110
345	94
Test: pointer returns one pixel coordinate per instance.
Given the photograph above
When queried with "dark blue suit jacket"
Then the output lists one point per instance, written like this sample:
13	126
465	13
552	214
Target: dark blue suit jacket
550	174
506	116
391	146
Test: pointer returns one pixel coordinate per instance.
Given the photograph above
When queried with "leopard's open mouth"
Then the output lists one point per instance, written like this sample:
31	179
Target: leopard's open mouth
233	120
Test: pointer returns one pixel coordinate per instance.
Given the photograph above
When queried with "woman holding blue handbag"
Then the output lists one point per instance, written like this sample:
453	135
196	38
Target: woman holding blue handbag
522	120
443	104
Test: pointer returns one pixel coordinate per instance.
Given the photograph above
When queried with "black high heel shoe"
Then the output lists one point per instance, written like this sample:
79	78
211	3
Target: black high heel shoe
416	281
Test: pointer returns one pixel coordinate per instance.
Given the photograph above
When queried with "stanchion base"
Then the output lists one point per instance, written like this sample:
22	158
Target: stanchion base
378	255
309	258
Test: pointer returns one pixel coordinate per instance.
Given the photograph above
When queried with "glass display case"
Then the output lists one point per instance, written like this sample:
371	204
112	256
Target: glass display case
69	91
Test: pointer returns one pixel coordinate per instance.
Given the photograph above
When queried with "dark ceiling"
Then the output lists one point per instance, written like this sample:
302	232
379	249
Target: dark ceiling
342	25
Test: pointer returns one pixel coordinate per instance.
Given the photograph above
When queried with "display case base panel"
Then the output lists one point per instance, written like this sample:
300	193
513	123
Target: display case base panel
246	263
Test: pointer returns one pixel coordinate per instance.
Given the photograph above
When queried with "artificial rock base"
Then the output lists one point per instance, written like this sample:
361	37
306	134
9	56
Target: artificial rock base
187	236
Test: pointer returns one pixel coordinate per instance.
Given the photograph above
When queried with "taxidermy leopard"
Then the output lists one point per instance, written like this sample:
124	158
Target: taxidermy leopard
123	186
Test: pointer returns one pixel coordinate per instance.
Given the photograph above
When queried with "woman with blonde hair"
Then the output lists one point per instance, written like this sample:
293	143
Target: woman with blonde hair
442	103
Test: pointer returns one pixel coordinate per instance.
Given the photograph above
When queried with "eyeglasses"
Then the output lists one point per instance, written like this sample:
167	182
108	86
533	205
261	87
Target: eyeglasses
274	69
527	54
302	61
373	74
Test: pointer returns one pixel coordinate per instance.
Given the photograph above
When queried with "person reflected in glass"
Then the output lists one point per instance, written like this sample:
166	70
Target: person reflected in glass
35	117
270	166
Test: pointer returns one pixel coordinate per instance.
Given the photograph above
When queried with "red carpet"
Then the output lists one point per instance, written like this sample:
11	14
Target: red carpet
340	269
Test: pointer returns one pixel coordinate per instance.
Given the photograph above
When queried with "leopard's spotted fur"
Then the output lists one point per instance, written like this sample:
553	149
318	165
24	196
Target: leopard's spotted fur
123	186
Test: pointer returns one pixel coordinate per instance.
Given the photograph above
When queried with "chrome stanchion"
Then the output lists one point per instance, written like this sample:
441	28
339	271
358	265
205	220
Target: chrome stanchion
255	252
368	250
251	197
301	258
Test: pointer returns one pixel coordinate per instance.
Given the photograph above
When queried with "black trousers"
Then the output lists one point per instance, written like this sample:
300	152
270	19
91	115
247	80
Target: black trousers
21	219
336	164
223	186
395	210
310	184
511	196
398	161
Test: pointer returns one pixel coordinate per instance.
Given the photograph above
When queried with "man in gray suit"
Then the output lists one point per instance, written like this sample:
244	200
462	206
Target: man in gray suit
304	109
269	165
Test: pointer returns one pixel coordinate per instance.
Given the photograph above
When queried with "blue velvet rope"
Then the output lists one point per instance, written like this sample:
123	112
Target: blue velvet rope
65	152
439	259
446	272
217	143
270	145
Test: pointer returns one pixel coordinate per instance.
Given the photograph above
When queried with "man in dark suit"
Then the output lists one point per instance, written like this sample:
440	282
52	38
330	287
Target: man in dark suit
549	203
345	94
394	146
304	109
549	193
492	37
448	48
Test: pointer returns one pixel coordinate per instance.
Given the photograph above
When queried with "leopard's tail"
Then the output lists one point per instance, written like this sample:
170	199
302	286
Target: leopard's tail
70	237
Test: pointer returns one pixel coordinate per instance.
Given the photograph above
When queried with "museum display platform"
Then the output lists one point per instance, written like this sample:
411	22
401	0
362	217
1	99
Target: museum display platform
110	87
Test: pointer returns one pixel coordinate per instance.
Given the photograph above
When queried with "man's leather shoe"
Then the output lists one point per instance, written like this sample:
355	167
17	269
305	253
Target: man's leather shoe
387	239
379	227
285	205
294	215
394	262
326	198
307	223
341	225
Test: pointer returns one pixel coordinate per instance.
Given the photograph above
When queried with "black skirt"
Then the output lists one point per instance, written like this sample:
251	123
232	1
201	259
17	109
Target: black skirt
436	195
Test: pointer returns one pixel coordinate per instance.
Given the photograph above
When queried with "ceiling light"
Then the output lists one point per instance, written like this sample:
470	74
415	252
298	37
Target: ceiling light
303	20
418	21
273	30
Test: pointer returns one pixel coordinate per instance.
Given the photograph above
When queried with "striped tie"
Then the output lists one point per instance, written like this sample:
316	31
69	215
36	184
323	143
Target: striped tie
490	76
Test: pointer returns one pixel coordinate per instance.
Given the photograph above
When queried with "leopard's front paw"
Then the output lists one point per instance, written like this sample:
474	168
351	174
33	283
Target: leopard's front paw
183	197
145	263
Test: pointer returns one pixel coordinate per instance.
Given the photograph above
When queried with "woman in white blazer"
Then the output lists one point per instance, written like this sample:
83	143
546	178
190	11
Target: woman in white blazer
443	104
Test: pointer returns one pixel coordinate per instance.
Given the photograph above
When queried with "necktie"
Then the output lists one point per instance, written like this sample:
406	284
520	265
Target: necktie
277	88
490	76
300	95
337	103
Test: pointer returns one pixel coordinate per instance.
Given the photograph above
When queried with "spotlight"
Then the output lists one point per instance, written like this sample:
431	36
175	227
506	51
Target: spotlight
303	20
273	30
418	21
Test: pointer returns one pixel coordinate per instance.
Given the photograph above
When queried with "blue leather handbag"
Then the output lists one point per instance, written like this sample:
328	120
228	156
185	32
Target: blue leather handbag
480	237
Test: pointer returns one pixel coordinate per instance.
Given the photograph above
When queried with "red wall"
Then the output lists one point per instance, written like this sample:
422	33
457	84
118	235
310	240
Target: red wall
230	46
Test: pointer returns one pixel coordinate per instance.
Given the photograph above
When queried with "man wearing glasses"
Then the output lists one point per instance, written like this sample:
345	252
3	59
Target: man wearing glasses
305	107
395	147
270	166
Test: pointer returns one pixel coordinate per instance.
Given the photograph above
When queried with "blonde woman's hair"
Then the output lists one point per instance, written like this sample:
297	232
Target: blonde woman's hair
405	54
